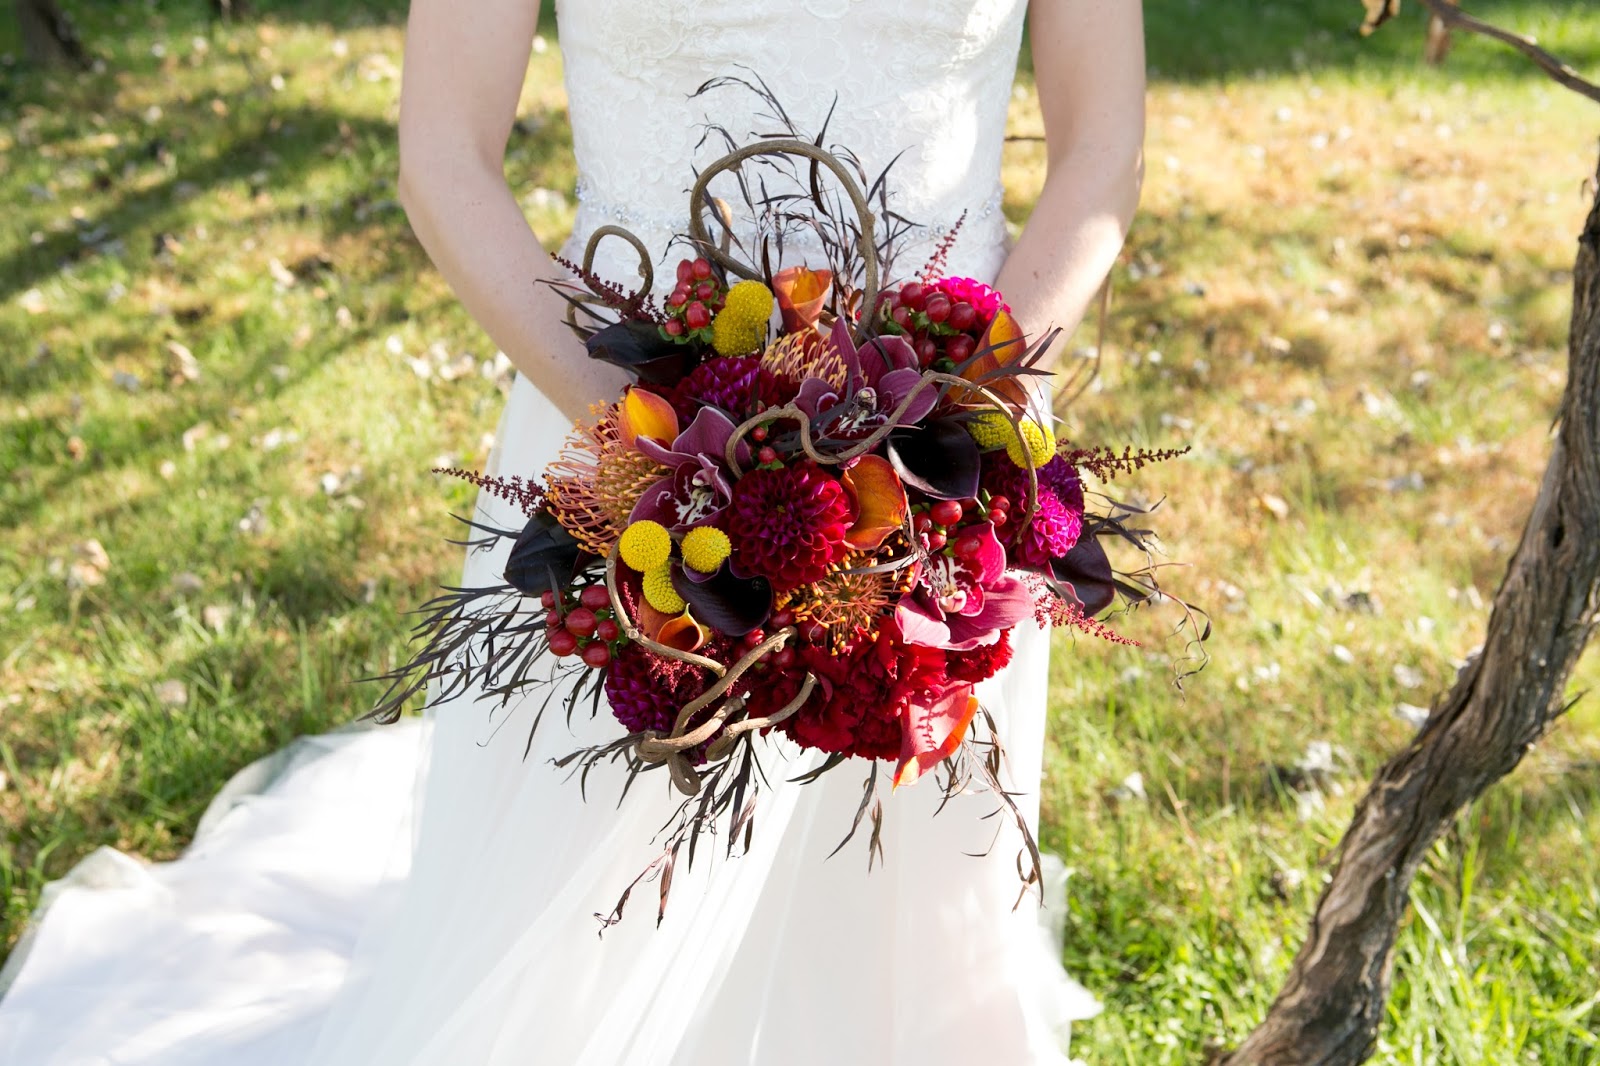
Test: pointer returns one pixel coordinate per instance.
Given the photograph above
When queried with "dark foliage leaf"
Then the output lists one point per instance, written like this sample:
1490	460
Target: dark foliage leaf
1084	574
544	553
940	459
639	348
728	603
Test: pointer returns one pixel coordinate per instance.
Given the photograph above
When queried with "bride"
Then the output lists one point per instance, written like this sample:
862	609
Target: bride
323	916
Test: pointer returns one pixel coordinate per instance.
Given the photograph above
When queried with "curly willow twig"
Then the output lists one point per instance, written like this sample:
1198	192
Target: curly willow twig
673	748
647	269
786	146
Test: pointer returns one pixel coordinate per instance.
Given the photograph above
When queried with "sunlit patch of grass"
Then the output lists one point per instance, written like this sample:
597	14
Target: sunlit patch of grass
1347	290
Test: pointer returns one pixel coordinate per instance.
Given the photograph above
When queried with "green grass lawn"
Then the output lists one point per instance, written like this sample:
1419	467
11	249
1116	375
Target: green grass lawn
226	370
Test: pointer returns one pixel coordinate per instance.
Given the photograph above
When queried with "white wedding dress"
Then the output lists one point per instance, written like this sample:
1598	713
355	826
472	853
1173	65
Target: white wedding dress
424	894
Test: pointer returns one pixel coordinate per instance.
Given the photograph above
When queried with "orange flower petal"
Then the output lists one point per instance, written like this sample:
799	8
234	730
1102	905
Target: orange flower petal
644	414
930	735
1002	343
880	501
801	292
683	633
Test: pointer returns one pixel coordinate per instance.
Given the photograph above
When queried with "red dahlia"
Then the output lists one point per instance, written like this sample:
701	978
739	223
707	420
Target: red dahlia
1055	526
788	524
736	384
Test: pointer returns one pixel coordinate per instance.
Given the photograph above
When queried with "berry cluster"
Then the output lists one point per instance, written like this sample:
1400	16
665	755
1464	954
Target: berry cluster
943	328
694	302
582	624
939	525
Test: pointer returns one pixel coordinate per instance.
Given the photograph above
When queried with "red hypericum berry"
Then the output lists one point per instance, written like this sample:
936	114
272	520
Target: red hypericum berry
674	327
767	454
967	545
548	598
553	619
912	295
563	643
946	512
936	541
680	295
921	522
697	316
779	619
901	317
754	637
937	307
758	434
595	597
597	654
959	349
685	271
704	291
607	629
999	503
999	516
927	349
701	269
581	622
962	316
783	658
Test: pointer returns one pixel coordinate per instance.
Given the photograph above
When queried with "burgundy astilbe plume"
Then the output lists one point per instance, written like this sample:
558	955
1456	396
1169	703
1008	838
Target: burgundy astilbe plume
629	303
524	494
1106	464
788	524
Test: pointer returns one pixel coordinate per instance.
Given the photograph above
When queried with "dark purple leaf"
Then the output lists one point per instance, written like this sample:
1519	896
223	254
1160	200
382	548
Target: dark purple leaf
639	348
1084	576
544	552
727	603
939	459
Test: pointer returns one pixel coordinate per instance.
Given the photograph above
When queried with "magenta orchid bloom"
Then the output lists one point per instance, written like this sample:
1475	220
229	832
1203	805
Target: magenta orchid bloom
699	488
880	375
960	602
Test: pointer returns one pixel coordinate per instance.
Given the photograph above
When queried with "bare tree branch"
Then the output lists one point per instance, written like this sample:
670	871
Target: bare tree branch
1545	612
1449	16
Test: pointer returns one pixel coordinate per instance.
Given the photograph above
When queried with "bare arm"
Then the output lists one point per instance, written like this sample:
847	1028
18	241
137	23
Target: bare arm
1088	58
463	77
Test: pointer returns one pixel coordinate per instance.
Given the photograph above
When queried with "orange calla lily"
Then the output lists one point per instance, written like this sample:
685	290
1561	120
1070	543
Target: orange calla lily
880	501
644	414
1003	343
801	293
683	633
930	735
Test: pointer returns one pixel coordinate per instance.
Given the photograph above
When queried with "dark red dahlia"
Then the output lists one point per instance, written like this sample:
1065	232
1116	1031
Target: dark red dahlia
646	692
1061	478
788	524
738	385
981	663
1055	526
862	695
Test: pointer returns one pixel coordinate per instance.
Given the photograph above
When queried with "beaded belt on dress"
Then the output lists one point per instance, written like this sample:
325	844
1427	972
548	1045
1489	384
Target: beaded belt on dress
627	215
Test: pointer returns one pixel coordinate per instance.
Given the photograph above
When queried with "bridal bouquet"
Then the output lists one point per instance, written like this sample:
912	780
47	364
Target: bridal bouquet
820	510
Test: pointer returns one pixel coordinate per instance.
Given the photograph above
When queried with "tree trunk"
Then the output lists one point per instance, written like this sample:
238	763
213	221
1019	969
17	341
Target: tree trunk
48	38
1545	612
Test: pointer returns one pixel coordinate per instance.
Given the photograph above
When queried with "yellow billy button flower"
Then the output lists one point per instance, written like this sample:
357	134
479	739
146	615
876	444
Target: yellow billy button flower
659	593
741	325
991	430
1038	441
705	548
646	546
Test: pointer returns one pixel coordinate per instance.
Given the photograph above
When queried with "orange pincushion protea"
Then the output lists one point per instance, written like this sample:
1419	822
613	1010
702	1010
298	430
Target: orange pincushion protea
593	486
851	605
794	357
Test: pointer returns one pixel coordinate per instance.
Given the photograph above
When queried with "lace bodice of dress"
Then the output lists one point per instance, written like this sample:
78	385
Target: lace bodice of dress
928	82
